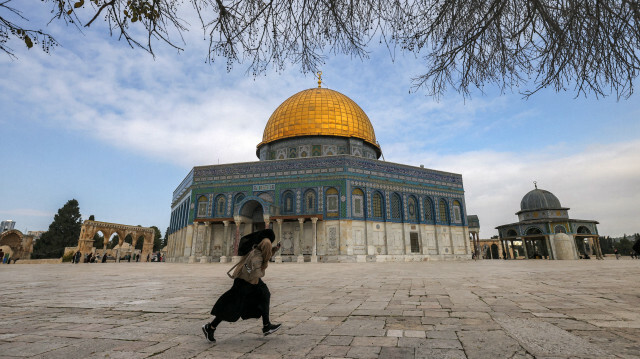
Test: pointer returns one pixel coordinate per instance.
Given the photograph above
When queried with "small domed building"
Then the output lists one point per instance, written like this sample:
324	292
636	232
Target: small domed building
319	184
547	232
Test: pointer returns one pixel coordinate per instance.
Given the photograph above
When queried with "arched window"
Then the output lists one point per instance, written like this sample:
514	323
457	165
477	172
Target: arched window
203	202
376	204
560	229
583	230
412	208
332	202
396	206
310	205
287	202
532	231
428	210
236	201
442	210
457	210
357	201
221	203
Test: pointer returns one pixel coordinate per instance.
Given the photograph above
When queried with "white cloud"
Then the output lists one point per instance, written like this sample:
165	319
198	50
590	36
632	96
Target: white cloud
599	182
27	212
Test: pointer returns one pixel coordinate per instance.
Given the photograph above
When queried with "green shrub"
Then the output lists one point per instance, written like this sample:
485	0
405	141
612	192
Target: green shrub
67	257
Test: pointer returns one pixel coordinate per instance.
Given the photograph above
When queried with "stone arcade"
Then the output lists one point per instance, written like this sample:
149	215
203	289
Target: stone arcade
319	184
90	228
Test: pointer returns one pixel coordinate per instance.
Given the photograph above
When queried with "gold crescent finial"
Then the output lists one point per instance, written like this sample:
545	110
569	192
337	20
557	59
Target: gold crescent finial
319	79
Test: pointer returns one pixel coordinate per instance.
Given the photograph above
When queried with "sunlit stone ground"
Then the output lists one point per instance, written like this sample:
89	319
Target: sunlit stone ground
483	309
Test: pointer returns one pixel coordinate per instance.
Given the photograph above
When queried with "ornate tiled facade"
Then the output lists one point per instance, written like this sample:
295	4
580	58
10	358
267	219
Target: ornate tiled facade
327	197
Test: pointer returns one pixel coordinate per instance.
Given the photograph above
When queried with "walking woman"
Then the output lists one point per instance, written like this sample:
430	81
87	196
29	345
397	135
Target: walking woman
248	297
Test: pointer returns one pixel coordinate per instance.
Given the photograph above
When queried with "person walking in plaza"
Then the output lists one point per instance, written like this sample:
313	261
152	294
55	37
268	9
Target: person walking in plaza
617	253
249	296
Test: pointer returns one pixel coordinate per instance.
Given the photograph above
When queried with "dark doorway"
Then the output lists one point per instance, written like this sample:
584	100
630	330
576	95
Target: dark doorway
494	251
253	210
415	243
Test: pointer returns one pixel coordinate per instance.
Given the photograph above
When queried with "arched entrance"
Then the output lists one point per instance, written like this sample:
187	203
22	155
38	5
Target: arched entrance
495	254
16	244
583	243
535	244
253	214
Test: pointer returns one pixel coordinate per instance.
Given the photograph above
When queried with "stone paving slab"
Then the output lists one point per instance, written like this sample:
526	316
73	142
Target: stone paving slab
467	309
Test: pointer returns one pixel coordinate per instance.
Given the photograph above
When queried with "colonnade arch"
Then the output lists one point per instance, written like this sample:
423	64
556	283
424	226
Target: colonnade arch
20	245
587	244
137	233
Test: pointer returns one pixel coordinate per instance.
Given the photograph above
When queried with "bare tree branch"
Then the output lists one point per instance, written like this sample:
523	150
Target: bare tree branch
589	47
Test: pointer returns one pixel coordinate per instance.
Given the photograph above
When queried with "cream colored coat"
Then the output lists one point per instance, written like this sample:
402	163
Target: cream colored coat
252	267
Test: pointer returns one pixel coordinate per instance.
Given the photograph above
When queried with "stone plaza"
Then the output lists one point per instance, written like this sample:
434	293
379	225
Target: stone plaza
463	309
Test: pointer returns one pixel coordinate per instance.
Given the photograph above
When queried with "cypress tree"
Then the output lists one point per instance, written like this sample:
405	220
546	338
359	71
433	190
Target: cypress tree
157	239
636	246
63	232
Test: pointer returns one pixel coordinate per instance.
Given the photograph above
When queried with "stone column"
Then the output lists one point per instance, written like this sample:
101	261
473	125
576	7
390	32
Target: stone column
106	243
120	241
236	240
507	252
549	249
504	251
526	251
278	258
298	249
226	242
476	244
206	243
314	234
575	245
598	248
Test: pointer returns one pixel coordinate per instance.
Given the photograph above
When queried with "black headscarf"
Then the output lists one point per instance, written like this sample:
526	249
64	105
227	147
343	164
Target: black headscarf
247	242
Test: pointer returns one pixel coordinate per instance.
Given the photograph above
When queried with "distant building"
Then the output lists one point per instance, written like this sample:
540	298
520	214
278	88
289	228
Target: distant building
319	184
36	234
546	231
485	248
7	225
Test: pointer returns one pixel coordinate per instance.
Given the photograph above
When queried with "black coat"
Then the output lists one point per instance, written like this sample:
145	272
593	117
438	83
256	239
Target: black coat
244	300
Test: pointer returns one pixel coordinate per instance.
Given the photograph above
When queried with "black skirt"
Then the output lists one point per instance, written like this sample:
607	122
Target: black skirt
244	300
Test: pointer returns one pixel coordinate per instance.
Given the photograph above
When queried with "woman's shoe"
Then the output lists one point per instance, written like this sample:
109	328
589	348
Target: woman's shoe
208	332
270	328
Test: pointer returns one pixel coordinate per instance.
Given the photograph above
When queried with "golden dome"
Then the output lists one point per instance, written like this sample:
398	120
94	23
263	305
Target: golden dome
318	112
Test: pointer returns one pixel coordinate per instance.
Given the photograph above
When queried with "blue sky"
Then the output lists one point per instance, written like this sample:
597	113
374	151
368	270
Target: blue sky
118	130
